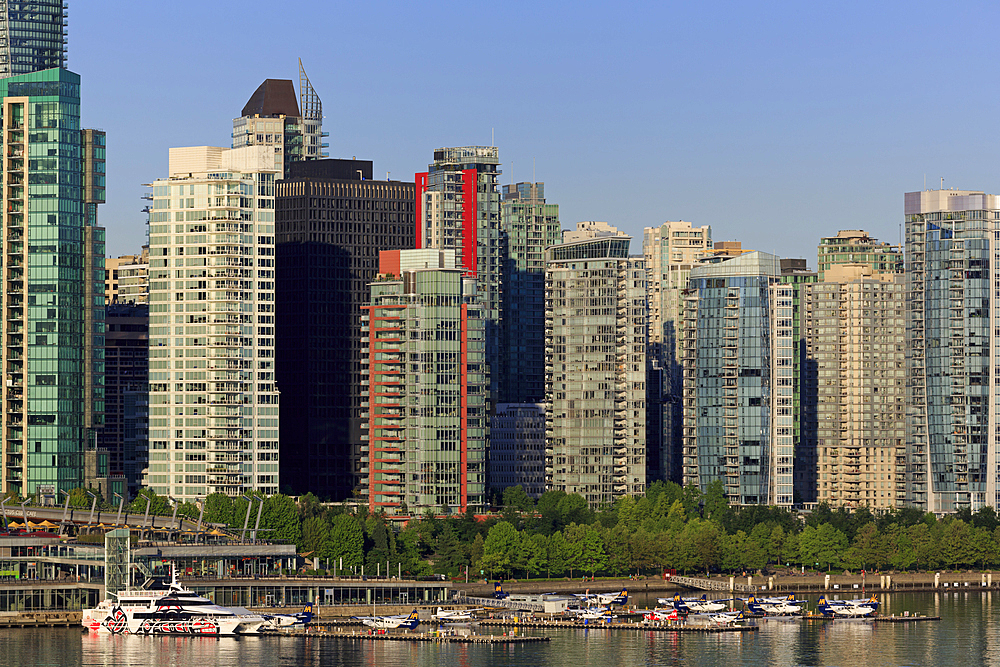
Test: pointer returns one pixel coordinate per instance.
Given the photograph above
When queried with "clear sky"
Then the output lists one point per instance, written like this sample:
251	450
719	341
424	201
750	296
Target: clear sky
774	122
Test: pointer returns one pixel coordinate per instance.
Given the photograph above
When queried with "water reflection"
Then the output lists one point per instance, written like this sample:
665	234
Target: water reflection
968	634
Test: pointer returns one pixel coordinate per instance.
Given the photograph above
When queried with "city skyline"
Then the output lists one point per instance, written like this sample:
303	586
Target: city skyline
789	122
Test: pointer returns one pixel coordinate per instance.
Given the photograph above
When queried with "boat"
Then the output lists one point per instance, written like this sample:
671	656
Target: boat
171	611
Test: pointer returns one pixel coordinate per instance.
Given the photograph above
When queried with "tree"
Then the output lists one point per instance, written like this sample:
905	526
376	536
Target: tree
618	549
499	548
476	550
219	508
157	504
824	545
557	554
517	498
868	550
281	516
956	544
691	500
538	548
590	556
716	505
347	540
315	537
701	540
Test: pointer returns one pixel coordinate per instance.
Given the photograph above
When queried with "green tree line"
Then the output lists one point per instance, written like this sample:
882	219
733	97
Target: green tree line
559	535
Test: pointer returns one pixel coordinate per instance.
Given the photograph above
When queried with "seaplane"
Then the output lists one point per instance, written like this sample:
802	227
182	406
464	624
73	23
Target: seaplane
498	592
700	605
290	620
404	621
847	608
774	606
604	598
661	615
591	613
452	615
727	617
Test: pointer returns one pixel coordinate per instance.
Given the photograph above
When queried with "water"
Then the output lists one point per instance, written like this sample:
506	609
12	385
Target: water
968	634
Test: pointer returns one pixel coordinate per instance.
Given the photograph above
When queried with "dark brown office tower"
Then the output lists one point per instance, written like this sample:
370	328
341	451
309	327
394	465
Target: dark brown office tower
331	222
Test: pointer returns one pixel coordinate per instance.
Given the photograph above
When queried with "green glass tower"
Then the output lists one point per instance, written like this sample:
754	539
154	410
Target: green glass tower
52	253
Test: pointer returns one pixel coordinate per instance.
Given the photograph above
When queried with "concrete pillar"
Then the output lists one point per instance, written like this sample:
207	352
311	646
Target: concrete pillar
826	583
881	582
989	580
888	581
750	581
732	584
982	580
937	579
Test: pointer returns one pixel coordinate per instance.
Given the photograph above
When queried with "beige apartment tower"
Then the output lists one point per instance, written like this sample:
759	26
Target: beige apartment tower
854	328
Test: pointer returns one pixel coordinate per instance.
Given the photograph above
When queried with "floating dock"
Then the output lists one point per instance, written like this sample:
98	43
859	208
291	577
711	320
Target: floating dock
424	637
598	625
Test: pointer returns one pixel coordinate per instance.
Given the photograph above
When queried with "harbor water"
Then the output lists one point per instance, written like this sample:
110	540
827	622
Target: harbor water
967	634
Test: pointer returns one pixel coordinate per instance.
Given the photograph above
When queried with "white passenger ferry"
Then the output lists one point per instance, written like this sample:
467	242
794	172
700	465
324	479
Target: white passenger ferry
174	611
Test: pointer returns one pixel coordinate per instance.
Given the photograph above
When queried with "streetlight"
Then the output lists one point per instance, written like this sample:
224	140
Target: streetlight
62	524
121	504
93	506
246	521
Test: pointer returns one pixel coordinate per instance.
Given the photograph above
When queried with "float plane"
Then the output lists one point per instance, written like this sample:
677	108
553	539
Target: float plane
847	608
290	620
407	622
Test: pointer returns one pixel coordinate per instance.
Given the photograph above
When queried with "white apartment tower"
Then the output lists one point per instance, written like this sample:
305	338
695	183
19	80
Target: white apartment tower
213	424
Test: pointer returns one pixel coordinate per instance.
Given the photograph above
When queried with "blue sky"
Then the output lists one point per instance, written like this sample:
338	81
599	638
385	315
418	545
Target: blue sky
774	122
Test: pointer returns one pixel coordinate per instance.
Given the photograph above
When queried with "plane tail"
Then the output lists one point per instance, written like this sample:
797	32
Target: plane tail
413	616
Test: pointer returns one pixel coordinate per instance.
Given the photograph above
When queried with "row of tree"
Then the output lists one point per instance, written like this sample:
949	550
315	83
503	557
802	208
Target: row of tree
559	535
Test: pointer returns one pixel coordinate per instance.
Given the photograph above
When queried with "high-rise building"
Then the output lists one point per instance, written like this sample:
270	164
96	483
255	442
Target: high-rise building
32	36
125	433
213	425
854	246
517	447
595	366
53	299
273	117
801	394
530	225
590	229
727	349
126	278
853	324
425	389
951	419
458	208
332	220
670	251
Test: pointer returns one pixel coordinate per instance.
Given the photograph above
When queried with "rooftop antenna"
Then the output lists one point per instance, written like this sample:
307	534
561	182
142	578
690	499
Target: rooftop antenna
493	141
942	182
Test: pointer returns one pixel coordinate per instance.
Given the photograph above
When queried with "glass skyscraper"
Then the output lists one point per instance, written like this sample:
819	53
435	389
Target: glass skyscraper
951	452
726	349
53	297
530	226
32	36
458	208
